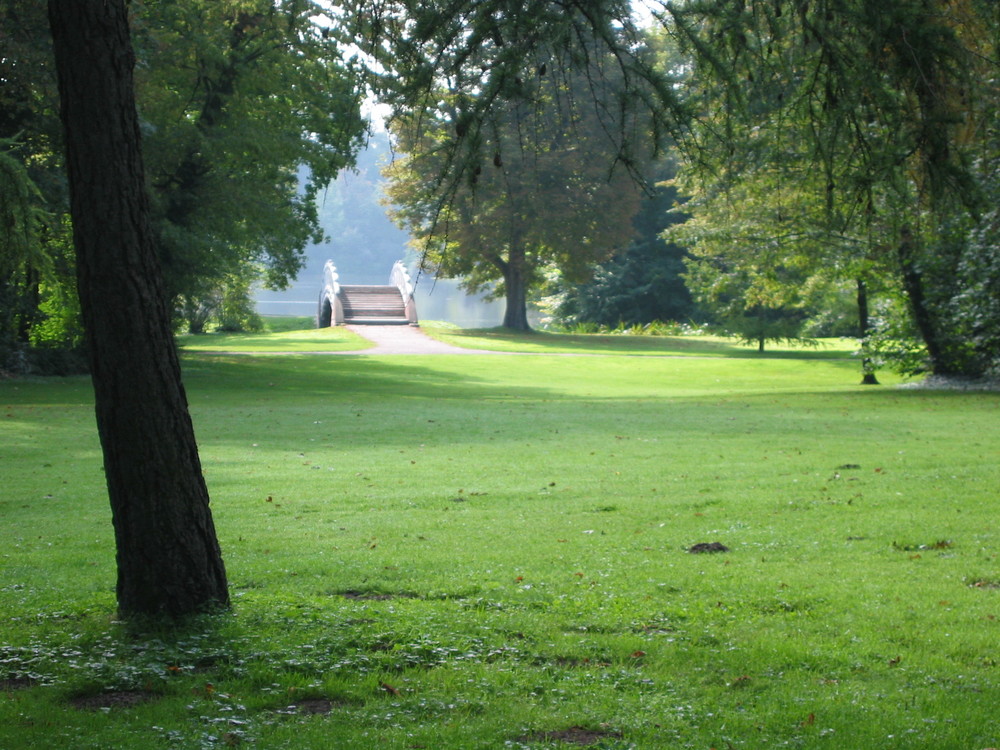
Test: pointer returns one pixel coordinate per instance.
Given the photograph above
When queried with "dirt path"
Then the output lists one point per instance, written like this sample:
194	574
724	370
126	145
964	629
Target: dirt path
397	339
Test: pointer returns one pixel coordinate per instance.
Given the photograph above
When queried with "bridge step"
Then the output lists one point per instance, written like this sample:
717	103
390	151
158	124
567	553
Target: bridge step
372	305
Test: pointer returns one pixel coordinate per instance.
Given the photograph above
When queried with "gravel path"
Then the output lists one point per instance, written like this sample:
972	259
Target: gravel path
399	339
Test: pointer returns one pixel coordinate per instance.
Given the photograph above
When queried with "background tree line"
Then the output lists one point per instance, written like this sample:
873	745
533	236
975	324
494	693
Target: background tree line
835	160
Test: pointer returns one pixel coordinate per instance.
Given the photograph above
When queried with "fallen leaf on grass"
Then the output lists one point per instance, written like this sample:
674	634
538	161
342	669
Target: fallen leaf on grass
388	688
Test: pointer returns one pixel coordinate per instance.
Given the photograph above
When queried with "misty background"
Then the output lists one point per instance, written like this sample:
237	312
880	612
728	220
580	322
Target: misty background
364	243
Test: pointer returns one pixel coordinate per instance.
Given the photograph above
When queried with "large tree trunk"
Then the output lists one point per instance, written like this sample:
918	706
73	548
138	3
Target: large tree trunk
939	348
168	557
515	315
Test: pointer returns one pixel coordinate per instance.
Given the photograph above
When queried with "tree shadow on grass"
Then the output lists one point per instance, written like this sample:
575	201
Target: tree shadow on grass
311	377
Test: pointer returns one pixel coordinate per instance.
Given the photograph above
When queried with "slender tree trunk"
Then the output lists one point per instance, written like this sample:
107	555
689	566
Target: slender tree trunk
515	315
28	314
168	556
864	327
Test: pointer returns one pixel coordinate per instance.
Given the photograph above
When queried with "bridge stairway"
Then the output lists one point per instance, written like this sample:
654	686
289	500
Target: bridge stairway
373	305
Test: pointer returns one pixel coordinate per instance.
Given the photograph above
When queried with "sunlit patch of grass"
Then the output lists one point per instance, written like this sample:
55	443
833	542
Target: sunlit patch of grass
313	339
703	345
485	551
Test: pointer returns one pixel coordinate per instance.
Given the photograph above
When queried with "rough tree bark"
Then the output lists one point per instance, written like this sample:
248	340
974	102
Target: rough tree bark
169	561
515	314
934	335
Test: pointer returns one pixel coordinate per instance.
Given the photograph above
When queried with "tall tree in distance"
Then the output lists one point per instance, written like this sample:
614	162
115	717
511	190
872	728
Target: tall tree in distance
551	200
481	85
169	560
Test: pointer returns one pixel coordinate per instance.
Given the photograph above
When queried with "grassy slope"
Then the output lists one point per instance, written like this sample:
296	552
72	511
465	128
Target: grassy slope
528	517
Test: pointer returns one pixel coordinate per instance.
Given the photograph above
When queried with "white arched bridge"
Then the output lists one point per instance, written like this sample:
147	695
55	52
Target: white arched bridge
391	304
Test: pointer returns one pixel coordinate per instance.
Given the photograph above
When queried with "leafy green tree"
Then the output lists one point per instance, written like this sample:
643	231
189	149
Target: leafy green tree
236	311
241	97
886	101
978	305
766	253
491	79
39	331
551	201
21	252
238	99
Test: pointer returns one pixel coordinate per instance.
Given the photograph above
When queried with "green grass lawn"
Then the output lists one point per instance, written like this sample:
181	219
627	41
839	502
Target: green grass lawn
277	338
484	551
541	342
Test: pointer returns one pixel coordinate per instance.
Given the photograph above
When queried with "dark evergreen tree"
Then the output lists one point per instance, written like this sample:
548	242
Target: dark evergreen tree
641	284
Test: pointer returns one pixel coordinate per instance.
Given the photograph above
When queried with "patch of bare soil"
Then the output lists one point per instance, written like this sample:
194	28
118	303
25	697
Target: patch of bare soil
11	684
985	583
314	706
708	548
112	699
572	736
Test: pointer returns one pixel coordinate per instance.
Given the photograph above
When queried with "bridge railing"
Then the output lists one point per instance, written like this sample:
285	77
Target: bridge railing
330	311
399	277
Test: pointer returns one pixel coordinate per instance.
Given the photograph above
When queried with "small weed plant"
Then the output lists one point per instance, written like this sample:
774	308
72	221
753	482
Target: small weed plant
481	551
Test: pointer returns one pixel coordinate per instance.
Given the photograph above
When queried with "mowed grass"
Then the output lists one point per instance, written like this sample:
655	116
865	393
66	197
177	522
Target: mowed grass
542	342
486	551
277	338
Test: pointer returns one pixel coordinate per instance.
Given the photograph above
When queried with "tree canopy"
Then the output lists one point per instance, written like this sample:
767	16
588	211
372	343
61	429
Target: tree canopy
551	198
884	112
236	98
522	120
488	54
